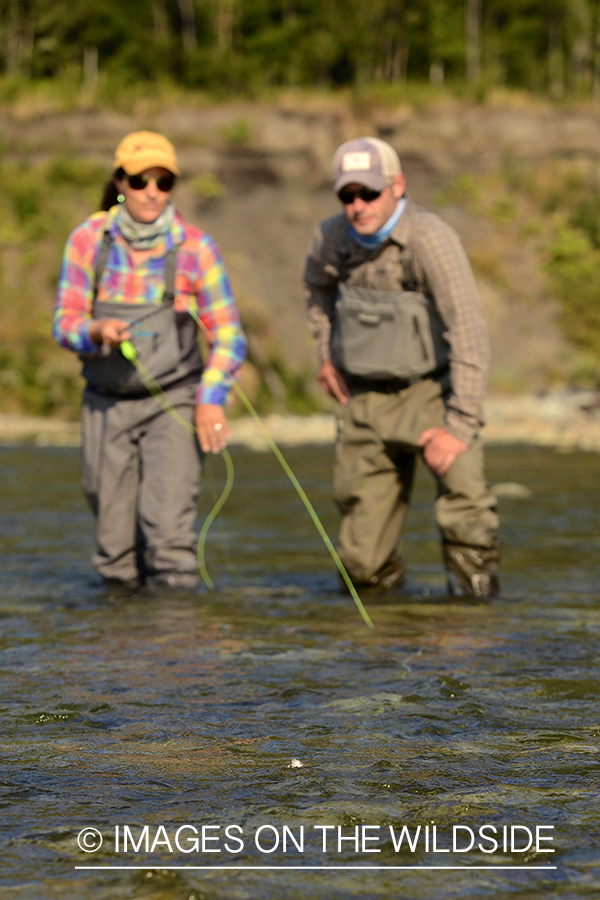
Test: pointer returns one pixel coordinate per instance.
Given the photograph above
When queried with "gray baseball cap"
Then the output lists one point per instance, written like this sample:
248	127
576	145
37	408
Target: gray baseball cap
366	160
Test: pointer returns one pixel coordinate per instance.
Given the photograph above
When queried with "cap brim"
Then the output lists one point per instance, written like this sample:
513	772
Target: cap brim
150	161
372	180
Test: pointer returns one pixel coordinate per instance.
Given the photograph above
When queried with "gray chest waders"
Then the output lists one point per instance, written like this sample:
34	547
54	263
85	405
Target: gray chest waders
383	335
165	340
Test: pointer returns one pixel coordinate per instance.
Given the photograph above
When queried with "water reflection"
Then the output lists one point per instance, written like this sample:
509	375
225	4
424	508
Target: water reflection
189	710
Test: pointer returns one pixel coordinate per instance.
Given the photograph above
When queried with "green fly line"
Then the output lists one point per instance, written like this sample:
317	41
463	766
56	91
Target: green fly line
213	515
130	353
310	508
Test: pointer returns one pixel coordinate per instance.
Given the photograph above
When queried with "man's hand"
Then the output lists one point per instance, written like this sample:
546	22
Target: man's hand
440	449
110	332
211	426
332	382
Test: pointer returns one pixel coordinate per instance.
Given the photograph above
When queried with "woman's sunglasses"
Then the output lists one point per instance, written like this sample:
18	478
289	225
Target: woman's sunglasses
164	183
365	194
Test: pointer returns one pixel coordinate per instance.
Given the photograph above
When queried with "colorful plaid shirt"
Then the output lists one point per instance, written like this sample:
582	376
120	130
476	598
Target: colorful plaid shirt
201	284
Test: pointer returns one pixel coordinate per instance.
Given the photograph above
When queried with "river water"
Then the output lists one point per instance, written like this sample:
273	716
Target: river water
219	729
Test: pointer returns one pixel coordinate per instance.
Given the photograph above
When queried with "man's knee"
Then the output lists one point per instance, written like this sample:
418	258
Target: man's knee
466	508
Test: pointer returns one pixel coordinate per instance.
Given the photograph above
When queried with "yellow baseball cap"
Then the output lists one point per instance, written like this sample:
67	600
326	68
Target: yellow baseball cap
142	150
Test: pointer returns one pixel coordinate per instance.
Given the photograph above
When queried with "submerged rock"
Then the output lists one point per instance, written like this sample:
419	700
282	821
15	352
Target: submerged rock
511	489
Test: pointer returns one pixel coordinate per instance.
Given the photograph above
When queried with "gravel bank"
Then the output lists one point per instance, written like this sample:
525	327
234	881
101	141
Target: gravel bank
564	420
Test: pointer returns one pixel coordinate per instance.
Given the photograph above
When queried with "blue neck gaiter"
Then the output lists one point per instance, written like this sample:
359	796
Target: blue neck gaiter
371	241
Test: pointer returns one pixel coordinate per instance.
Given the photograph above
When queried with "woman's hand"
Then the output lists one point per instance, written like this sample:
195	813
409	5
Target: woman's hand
110	332
211	427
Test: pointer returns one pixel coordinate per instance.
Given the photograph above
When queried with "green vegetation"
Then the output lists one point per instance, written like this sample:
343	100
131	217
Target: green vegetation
570	202
282	388
248	46
207	187
369	56
573	265
556	208
239	134
37	210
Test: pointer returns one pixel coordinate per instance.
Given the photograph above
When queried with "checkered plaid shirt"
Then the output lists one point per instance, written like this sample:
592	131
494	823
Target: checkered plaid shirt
442	271
201	283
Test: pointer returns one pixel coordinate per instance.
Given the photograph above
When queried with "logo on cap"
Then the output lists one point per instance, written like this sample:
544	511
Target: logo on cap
354	162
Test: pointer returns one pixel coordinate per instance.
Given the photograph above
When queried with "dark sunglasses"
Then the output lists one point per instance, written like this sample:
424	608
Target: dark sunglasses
139	182
366	195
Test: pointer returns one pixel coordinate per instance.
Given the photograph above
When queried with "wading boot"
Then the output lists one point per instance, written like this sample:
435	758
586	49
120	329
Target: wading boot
472	571
389	577
119	589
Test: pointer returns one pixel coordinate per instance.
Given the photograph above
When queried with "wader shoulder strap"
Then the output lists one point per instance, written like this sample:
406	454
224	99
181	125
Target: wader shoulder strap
409	280
170	267
101	260
169	270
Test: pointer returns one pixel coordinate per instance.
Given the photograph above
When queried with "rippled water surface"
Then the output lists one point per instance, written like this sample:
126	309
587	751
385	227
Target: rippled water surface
188	711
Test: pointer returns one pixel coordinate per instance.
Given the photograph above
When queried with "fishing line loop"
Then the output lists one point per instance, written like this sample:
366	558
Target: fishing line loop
130	353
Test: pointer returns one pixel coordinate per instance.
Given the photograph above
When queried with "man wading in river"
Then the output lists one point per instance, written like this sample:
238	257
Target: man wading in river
403	347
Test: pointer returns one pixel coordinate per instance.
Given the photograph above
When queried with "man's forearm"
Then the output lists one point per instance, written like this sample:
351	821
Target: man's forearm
319	326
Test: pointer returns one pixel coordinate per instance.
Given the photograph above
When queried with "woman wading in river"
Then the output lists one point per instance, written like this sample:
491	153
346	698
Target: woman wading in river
137	271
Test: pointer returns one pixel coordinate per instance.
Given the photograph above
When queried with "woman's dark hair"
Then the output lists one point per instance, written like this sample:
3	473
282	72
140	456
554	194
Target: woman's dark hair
110	193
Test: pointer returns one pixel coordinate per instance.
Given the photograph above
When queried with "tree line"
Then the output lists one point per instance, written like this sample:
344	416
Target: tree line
244	46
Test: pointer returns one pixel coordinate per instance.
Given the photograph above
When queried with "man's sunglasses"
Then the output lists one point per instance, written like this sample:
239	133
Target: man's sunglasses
366	195
164	183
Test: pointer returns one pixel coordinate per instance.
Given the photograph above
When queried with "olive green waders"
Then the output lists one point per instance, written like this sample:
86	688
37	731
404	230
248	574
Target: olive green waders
141	475
374	469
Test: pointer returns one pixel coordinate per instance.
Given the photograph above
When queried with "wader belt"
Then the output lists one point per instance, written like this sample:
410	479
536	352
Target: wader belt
360	385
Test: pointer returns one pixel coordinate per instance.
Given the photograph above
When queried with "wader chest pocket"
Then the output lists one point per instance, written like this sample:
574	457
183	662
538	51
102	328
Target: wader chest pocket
154	335
386	334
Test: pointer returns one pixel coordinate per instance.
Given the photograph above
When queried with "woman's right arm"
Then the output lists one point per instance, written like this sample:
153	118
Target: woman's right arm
74	295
